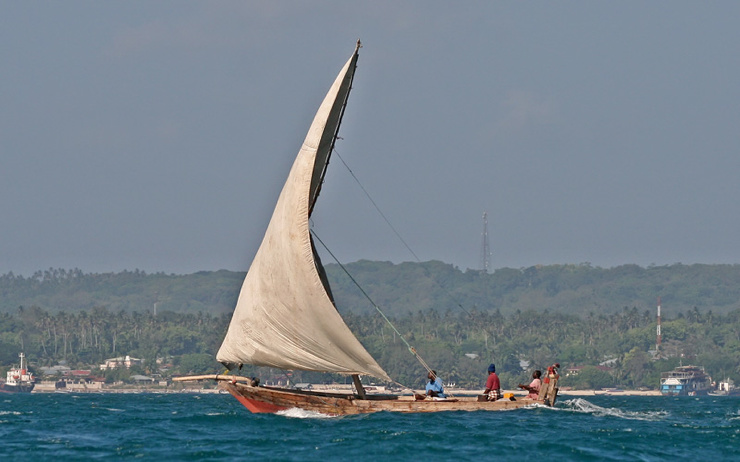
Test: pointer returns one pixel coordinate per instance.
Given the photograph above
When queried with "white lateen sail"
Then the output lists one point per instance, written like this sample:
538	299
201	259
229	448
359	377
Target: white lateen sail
285	316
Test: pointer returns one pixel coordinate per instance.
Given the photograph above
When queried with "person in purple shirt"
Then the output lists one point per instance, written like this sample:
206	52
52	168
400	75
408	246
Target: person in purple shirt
434	387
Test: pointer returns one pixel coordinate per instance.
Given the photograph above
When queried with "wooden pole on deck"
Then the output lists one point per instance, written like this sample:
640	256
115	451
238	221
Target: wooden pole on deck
358	386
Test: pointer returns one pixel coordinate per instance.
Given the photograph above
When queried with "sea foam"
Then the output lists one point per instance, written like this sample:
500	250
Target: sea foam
585	406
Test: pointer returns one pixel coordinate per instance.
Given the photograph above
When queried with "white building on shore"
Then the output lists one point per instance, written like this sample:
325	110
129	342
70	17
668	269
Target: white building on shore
122	361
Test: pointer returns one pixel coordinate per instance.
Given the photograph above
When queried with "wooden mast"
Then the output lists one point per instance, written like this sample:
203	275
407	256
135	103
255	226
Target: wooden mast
358	386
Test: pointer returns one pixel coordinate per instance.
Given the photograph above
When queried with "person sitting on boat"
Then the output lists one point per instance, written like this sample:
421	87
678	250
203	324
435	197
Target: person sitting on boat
435	388
534	387
493	384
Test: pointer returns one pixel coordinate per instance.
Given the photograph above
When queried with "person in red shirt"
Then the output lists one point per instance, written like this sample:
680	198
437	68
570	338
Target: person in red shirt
493	384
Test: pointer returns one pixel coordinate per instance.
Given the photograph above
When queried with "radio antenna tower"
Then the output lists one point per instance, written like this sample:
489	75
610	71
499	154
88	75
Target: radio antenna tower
658	336
486	250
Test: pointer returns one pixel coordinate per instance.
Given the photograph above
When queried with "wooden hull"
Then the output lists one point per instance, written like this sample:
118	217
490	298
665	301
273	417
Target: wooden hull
271	400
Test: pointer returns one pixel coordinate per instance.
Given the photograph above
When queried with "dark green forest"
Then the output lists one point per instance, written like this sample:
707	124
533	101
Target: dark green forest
398	288
578	315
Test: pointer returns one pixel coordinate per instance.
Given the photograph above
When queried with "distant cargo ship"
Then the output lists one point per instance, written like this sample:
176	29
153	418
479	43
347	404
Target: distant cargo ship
18	379
685	381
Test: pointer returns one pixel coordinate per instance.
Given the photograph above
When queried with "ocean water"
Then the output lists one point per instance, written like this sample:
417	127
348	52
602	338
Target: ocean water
215	427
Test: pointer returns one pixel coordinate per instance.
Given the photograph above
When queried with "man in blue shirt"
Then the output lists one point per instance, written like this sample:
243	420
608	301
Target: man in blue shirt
434	387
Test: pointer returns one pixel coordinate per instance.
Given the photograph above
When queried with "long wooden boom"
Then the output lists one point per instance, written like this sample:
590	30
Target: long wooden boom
230	378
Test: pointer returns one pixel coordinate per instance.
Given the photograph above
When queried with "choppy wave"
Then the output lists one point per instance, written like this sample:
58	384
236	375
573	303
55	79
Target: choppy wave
585	406
303	414
156	427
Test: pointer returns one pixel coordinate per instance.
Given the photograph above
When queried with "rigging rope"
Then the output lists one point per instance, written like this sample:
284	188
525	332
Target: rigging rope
376	205
405	244
377	308
403	241
459	305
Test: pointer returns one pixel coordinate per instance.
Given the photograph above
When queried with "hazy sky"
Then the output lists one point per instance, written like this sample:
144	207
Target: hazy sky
157	135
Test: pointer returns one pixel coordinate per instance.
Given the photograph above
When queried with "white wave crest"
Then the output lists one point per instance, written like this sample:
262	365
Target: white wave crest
297	413
584	406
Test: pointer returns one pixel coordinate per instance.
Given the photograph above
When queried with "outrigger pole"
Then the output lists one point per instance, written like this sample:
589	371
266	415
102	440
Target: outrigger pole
237	378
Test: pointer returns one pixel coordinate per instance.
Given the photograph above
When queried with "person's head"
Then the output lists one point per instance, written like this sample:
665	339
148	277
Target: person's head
432	375
556	365
491	368
536	374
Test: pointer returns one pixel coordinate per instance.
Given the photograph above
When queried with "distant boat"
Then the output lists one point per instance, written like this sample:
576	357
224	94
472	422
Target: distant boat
285	316
725	388
685	381
18	379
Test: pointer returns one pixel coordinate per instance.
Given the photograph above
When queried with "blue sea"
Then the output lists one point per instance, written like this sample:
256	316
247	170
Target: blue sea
215	427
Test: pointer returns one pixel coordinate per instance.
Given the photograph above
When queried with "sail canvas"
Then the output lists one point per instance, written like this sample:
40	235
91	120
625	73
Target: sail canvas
285	316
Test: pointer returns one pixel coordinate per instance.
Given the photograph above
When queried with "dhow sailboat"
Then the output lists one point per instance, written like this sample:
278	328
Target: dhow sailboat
285	316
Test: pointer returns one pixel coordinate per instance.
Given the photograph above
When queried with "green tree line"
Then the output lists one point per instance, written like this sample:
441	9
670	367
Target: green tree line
459	344
400	289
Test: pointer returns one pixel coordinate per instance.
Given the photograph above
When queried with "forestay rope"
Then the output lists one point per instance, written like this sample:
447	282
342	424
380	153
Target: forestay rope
403	241
367	194
377	308
400	238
